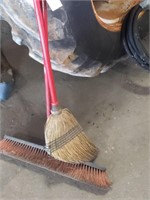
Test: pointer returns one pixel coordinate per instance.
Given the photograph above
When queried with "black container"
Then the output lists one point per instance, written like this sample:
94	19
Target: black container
91	38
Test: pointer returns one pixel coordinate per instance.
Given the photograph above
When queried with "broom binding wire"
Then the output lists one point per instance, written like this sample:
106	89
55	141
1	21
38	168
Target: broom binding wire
64	139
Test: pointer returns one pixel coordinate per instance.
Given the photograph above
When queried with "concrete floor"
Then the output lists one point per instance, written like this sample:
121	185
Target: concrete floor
114	111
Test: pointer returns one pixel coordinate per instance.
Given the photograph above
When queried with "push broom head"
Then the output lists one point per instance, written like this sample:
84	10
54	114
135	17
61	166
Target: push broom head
66	140
37	156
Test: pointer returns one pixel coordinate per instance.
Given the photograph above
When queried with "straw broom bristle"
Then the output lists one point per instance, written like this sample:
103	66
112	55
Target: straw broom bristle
77	149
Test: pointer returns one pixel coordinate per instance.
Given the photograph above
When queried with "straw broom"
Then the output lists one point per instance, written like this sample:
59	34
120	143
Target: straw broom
64	138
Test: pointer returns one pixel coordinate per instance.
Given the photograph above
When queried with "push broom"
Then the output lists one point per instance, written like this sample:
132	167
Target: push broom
38	155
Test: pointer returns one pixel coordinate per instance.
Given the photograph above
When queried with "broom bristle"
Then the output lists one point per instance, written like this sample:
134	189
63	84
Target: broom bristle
36	155
66	139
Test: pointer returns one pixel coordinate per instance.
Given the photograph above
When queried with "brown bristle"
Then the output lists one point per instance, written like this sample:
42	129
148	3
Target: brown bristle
81	172
67	140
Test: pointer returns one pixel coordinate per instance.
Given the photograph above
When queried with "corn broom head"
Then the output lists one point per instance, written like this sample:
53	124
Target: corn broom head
66	139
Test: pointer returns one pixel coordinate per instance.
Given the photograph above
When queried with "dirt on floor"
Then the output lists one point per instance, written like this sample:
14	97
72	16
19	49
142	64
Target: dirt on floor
114	111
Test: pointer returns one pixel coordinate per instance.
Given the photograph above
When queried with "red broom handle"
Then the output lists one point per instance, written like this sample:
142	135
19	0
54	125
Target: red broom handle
46	55
47	92
48	98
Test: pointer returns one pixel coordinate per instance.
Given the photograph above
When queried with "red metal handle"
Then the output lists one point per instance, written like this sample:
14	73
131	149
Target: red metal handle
45	50
47	91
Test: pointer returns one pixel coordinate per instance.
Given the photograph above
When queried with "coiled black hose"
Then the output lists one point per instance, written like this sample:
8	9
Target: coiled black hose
131	39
